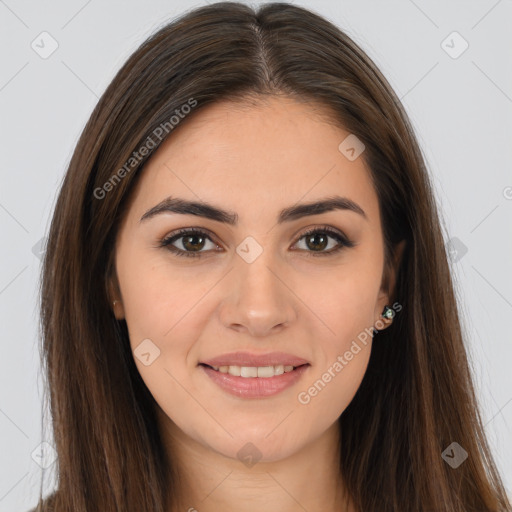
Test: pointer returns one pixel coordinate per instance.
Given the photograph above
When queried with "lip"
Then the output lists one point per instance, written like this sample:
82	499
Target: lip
254	387
248	359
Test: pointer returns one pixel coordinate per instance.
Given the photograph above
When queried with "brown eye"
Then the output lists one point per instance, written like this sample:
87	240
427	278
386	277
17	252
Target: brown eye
317	240
192	241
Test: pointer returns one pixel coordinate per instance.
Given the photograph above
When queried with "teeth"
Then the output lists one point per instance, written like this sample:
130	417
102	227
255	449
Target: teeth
254	371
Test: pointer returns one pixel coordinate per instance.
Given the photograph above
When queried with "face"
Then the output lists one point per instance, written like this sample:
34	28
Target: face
254	281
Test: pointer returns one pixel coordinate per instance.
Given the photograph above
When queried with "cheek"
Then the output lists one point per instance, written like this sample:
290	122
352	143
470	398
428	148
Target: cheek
342	355
161	312
344	298
156	296
165	313
333	387
345	303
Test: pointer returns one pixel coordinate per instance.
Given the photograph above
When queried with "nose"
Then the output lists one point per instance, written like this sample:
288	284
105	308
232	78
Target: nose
259	300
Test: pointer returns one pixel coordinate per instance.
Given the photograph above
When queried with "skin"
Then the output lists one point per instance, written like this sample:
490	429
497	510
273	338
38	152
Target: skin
253	160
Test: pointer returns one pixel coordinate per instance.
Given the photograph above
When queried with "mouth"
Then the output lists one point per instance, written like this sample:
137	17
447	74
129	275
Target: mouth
249	372
254	381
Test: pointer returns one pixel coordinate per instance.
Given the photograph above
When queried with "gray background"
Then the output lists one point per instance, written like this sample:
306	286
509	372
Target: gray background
460	107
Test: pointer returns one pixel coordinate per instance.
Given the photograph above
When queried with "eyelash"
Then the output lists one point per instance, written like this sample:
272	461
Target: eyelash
339	237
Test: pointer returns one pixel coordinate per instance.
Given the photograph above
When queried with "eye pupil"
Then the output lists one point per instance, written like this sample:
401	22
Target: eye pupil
313	237
188	238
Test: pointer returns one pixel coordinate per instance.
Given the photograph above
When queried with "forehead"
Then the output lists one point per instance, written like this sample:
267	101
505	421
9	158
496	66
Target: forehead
254	158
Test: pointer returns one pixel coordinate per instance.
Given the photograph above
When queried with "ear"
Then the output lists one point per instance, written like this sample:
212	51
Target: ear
114	294
388	285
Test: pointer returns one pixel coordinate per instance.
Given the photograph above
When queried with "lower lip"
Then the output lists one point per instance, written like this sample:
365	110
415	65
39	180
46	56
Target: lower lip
255	387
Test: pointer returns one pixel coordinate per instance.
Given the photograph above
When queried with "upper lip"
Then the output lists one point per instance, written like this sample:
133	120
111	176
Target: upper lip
248	359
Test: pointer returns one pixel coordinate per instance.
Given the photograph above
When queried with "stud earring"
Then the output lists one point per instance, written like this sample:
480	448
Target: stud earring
388	313
114	303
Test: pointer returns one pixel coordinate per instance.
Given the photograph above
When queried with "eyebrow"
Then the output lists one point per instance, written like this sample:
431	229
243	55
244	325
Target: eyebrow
203	209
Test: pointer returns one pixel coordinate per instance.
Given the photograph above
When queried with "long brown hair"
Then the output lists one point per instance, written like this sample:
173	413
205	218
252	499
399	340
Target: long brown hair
417	395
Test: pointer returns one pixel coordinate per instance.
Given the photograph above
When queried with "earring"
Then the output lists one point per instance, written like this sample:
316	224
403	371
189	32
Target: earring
114	303
388	313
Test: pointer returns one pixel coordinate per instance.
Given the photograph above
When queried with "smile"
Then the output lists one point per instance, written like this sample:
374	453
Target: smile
254	371
254	381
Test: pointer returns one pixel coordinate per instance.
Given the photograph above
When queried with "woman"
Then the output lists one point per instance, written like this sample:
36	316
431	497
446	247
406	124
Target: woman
246	300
